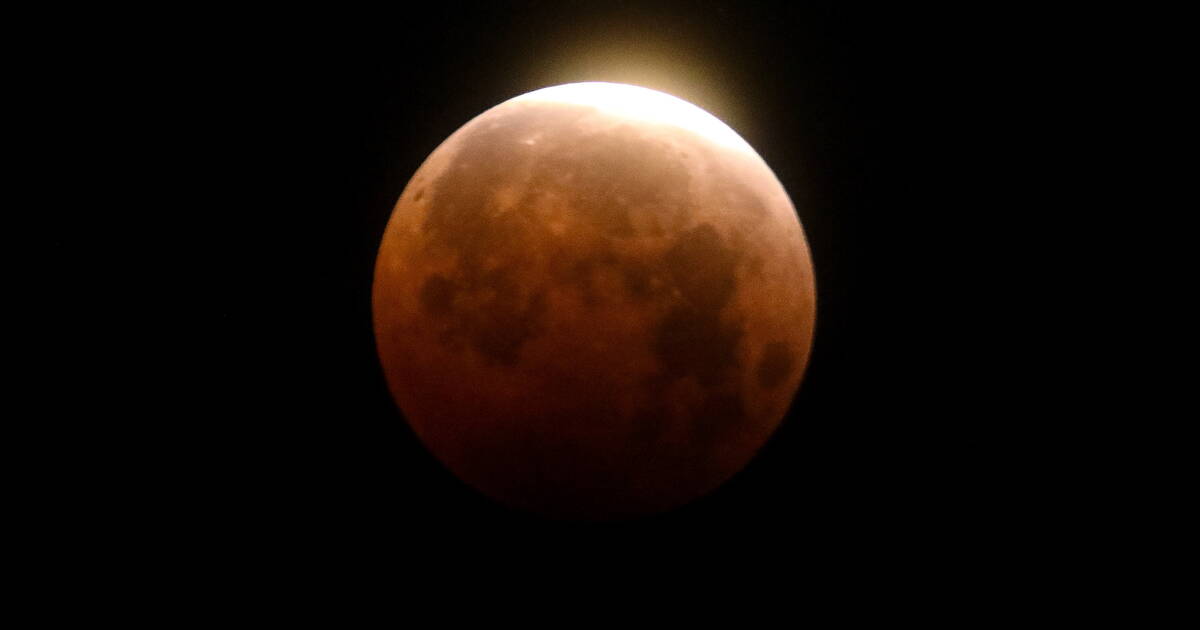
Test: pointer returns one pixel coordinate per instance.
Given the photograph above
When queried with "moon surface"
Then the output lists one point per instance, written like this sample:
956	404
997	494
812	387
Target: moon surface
594	301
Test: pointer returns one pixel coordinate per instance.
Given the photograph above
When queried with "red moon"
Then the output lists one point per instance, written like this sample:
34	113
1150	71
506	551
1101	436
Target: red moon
594	301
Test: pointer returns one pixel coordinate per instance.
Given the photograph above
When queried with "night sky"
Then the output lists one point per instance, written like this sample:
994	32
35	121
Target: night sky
880	126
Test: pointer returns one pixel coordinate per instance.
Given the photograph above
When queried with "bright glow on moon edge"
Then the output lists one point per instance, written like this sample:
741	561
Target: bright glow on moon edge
643	104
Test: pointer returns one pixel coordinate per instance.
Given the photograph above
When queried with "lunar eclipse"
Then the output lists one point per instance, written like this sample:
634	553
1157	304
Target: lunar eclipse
594	301
480	278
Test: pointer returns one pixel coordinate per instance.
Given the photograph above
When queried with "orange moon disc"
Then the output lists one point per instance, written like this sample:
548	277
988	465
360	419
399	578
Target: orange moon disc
594	301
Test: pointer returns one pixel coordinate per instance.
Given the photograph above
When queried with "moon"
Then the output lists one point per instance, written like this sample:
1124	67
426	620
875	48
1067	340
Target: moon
594	301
